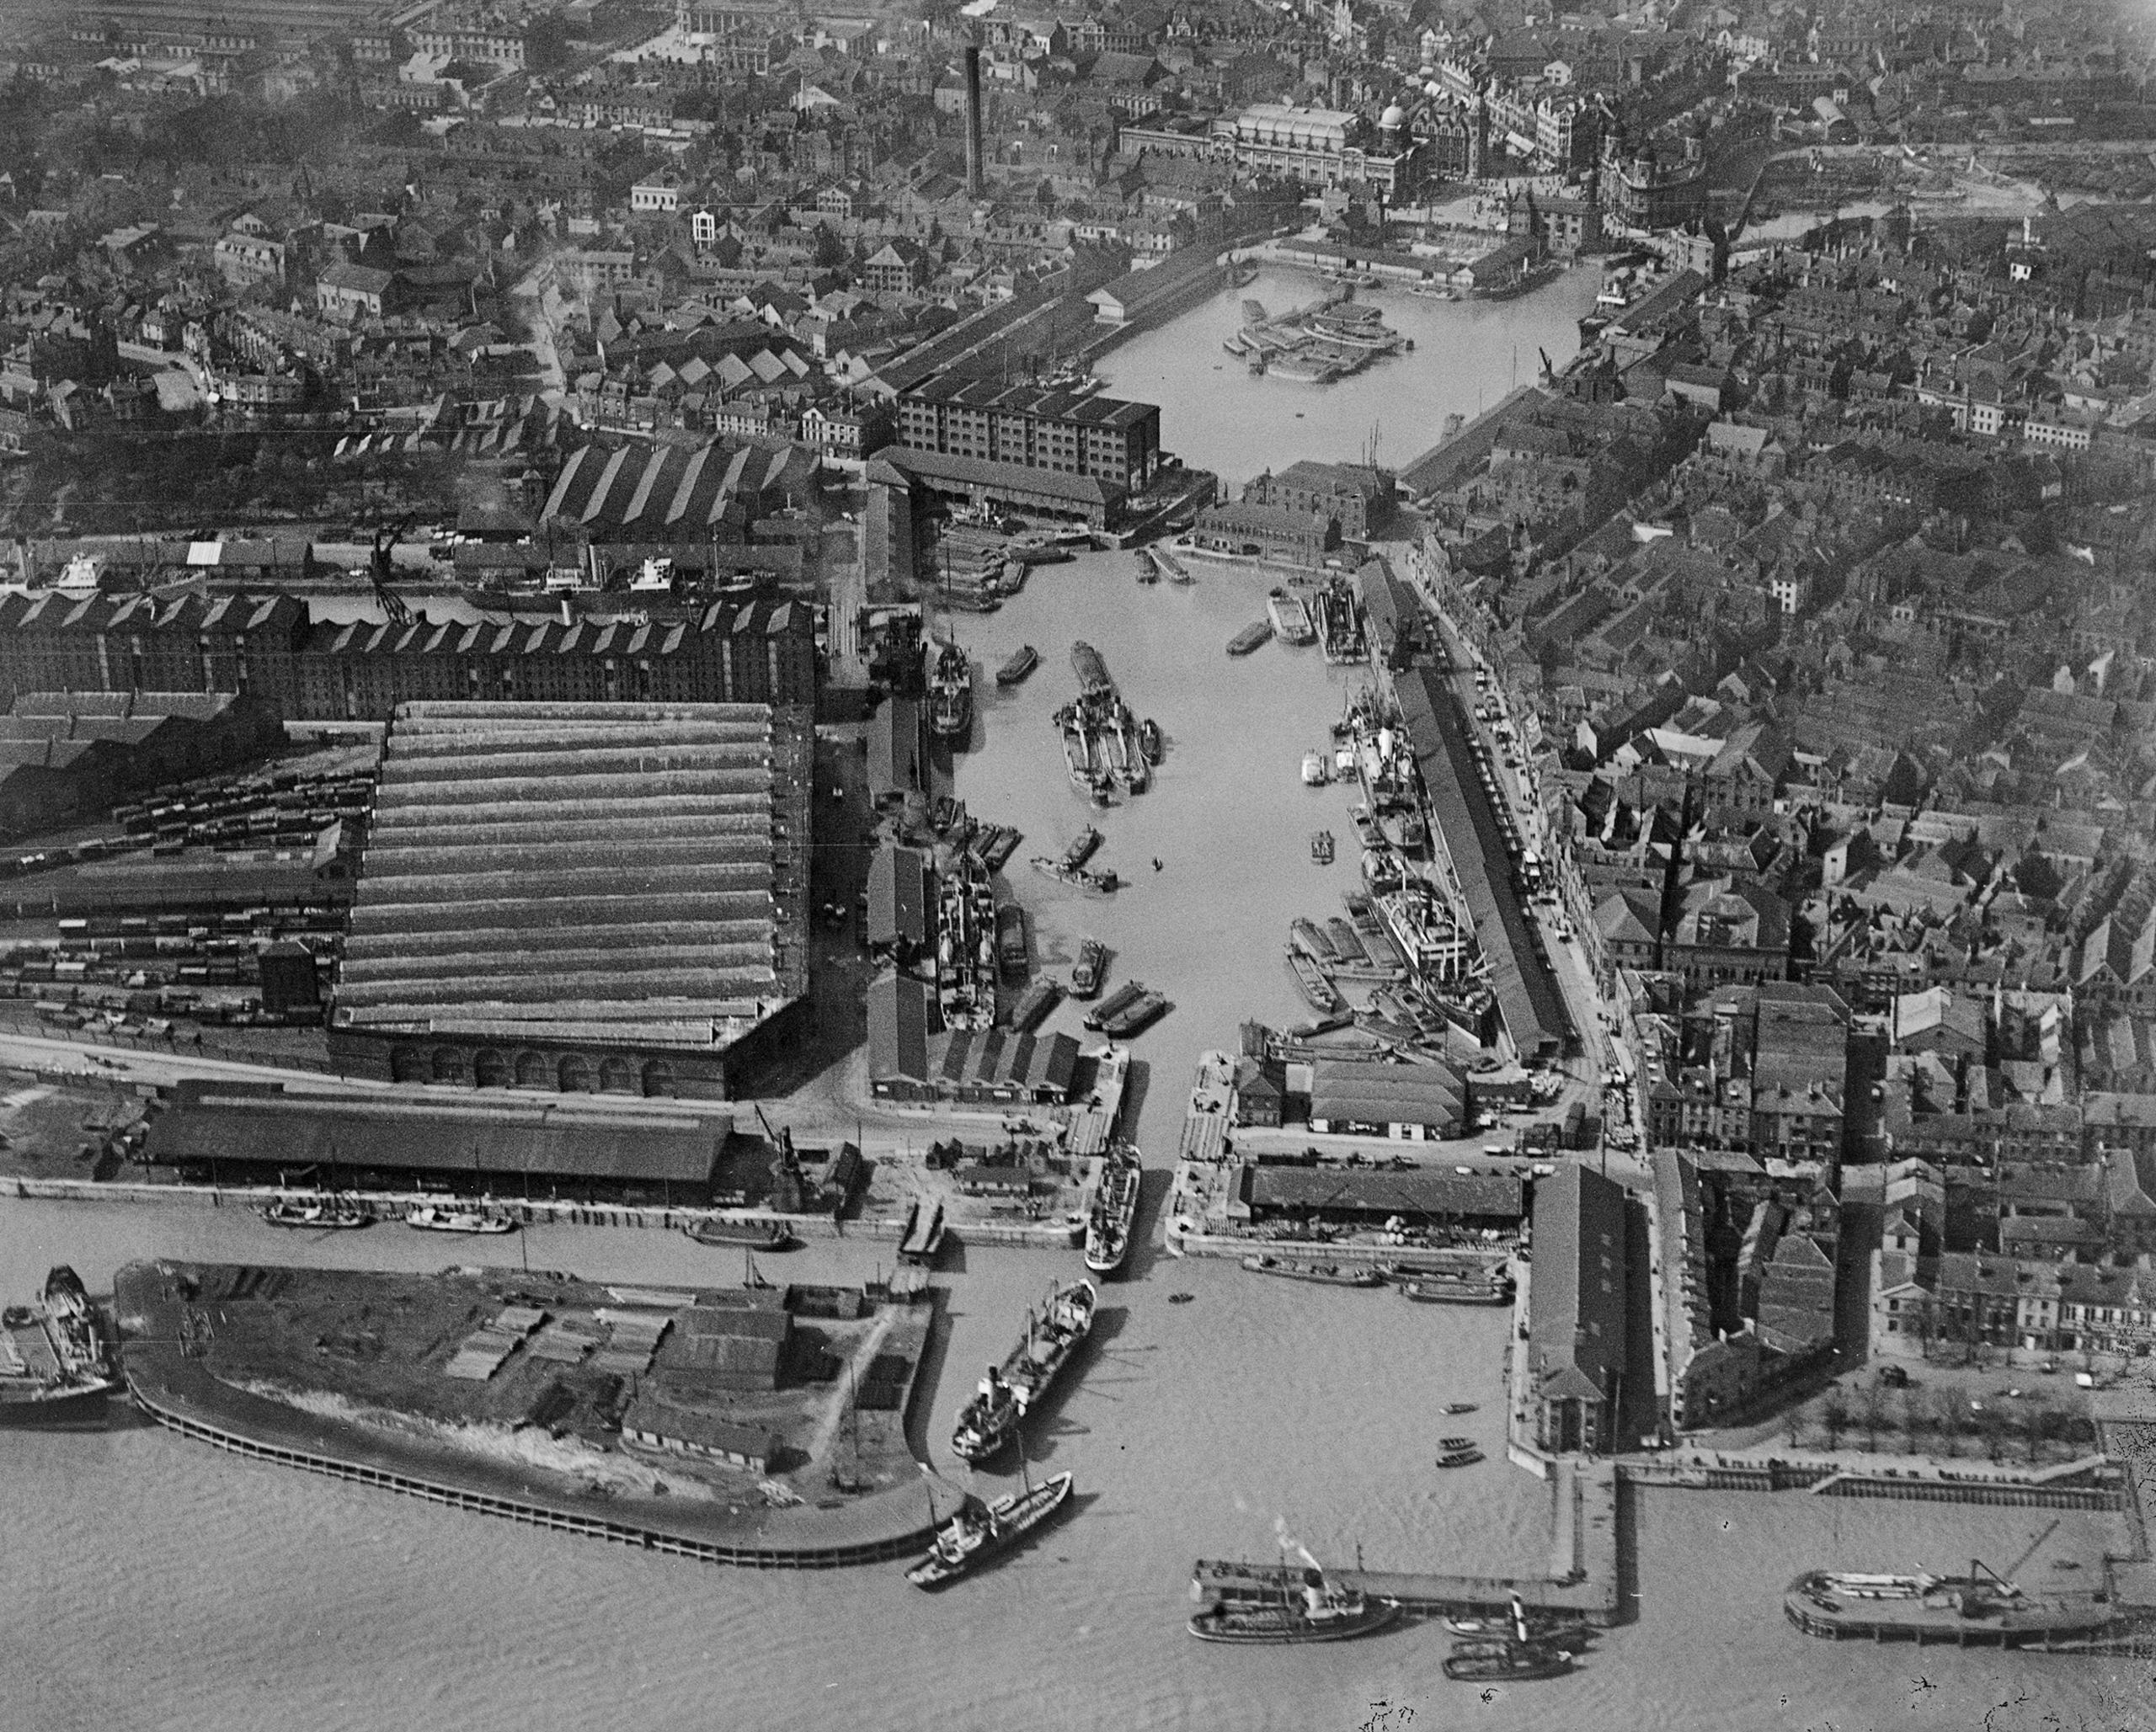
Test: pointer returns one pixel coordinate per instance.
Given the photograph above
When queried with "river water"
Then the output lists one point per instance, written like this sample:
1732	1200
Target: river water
153	1583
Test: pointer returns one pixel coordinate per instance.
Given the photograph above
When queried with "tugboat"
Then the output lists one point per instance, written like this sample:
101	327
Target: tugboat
1019	666
434	1217
991	1419
1321	847
754	1235
54	1373
1115	1207
951	694
1505	1662
979	1532
1149	740
331	1214
1318	1613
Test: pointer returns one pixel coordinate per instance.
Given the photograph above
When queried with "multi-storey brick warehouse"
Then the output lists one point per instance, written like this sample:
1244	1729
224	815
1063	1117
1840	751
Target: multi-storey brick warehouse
1102	437
754	651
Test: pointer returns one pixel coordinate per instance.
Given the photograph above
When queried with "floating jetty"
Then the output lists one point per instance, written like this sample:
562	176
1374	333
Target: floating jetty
1978	1610
1328	339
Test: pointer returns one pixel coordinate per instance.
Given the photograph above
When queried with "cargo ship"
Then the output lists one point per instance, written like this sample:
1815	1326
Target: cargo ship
1011	948
1093	671
1316	987
1121	999
1035	1005
1134	1018
979	1532
1009	1391
1100	883
1019	666
1325	1274
55	1372
1291	620
1433	1288
1086	972
951	694
1115	1209
737	1233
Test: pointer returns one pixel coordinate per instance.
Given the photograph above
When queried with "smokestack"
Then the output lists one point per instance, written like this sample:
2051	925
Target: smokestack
972	123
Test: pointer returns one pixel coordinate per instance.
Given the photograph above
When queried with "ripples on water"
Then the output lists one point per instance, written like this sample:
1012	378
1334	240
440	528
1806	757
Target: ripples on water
153	1583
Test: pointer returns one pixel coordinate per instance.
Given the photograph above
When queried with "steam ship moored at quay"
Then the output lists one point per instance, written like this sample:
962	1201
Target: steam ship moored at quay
54	1370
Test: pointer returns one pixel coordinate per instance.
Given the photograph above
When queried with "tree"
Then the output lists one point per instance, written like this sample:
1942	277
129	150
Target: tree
1951	1402
1834	1416
1872	1405
1916	1419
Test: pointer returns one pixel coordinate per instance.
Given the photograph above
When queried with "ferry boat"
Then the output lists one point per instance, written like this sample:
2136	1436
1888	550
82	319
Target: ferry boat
1316	1612
979	1532
1251	637
1086	971
1149	740
1291	620
991	1419
1325	1274
432	1217
1019	666
1115	1209
951	694
329	1214
1505	1662
737	1232
55	1372
923	1237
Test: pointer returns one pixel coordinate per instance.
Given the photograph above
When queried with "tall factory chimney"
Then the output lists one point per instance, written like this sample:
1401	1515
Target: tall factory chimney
972	123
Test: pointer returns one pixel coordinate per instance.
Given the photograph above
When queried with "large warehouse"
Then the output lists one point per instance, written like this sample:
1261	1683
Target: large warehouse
581	897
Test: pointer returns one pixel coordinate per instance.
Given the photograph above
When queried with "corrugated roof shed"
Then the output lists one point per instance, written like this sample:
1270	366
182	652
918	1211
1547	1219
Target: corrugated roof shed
580	871
1343	1091
235	1124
